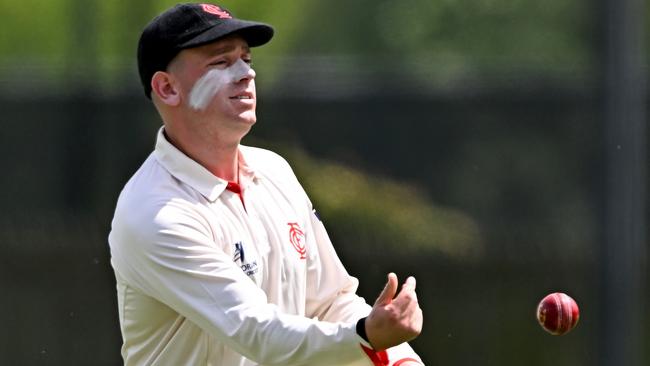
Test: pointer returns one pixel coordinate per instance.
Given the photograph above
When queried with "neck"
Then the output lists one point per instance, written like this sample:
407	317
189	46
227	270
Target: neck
218	157
222	162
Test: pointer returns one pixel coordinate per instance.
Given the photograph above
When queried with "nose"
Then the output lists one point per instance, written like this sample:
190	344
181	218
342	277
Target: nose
249	74
242	71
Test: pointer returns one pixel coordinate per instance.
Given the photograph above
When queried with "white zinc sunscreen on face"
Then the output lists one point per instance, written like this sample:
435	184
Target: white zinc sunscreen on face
214	80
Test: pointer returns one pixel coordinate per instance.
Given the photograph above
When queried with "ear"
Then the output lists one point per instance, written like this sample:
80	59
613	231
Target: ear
165	87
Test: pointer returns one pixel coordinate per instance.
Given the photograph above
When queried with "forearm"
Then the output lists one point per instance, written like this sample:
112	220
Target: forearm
334	299
333	296
273	338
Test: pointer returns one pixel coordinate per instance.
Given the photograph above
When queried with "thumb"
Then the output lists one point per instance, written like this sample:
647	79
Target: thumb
389	291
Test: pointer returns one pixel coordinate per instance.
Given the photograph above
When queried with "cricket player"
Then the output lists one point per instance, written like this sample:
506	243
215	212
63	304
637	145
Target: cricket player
218	254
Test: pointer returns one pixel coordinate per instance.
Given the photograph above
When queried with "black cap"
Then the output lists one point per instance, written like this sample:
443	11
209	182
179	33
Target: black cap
186	26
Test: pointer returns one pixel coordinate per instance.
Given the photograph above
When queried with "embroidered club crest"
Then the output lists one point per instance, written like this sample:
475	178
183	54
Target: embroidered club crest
297	239
213	9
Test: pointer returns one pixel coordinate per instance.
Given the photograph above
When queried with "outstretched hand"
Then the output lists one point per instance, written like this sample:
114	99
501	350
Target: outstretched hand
394	319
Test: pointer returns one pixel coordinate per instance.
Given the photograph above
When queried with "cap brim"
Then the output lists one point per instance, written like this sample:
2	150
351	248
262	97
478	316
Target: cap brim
255	34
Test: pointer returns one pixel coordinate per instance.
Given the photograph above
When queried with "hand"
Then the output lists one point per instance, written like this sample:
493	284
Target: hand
394	320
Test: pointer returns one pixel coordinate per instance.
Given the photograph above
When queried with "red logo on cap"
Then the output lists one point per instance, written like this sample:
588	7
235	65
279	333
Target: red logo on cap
213	9
297	239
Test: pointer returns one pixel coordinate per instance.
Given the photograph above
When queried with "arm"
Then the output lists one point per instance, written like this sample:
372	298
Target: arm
331	295
331	292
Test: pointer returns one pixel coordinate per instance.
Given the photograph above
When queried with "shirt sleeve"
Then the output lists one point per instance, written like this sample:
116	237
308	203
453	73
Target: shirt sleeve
331	291
167	252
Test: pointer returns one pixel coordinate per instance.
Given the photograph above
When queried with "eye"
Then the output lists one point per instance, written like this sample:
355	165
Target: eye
219	63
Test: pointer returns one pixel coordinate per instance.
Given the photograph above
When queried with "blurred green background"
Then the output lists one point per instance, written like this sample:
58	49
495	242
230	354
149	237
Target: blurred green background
463	142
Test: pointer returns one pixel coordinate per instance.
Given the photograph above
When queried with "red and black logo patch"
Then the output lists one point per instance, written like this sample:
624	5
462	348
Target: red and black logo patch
213	9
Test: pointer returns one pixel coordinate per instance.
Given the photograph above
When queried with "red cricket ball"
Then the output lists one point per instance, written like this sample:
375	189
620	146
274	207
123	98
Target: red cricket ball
558	313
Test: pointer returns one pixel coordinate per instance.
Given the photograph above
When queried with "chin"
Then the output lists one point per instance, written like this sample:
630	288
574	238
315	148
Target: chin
248	117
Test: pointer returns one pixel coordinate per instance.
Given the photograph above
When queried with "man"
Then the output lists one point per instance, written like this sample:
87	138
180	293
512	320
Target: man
218	255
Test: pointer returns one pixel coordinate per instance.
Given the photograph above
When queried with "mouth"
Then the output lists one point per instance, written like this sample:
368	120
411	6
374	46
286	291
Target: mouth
242	96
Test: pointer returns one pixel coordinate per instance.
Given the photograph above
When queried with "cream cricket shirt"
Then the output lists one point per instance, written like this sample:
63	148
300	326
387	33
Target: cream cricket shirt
204	279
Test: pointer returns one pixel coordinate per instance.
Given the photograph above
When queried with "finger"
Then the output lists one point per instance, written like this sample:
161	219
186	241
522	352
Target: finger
389	291
408	287
409	283
407	298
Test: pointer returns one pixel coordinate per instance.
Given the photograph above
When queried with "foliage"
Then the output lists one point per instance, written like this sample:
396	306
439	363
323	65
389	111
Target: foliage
447	40
379	215
33	31
440	41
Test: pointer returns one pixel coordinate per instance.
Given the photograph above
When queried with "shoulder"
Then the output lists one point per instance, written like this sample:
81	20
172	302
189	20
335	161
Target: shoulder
276	171
152	203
